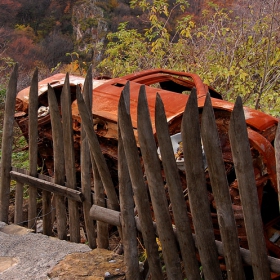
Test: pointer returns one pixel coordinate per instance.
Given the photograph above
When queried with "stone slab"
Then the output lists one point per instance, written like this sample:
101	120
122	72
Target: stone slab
15	229
7	262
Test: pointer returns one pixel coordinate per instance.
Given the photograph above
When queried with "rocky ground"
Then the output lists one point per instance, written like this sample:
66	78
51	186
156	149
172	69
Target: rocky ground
27	255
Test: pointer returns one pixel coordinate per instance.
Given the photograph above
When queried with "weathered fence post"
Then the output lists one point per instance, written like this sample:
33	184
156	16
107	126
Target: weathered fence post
33	148
179	209
99	199
156	187
197	190
59	163
68	143
129	234
219	184
243	164
139	188
18	203
86	166
7	145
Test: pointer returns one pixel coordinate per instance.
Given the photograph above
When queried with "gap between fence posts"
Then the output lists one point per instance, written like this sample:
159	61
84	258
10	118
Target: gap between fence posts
18	219
103	170
219	184
7	145
139	188
156	188
179	209
197	190
33	148
242	160
59	163
70	171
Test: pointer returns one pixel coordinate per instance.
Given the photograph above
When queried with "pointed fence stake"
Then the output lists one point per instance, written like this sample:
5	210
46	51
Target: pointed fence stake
179	209
59	162
139	188
219	184
156	187
69	155
129	233
33	148
197	190
243	164
86	171
7	145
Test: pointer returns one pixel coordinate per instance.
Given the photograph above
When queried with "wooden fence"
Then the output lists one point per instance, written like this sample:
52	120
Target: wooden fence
133	191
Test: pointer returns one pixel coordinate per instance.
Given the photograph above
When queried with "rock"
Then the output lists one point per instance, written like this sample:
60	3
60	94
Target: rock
88	24
94	265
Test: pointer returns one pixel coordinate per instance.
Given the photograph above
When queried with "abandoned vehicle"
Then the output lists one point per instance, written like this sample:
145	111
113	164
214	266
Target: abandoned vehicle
173	88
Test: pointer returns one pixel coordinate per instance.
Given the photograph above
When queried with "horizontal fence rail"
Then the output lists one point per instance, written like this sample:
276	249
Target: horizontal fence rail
114	218
47	186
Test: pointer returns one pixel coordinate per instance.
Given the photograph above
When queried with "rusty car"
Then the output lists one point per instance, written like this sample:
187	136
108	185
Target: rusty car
173	88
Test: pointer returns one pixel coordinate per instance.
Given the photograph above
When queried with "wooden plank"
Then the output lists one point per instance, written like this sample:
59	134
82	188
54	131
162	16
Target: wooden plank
179	209
106	215
103	170
70	170
197	190
139	188
99	199
219	184
156	187
129	234
86	167
47	186
277	157
45	178
47	213
99	213
18	203
244	170
33	148
19	198
7	145
59	163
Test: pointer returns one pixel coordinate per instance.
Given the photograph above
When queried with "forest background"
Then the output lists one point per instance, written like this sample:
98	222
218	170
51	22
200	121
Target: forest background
233	45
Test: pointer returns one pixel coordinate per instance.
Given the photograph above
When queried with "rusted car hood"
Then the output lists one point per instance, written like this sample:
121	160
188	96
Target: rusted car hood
106	95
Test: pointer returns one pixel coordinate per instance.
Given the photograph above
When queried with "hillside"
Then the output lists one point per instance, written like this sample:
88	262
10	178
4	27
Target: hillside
232	45
41	33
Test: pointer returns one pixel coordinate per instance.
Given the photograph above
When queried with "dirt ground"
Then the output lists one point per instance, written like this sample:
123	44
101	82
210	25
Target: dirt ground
26	255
